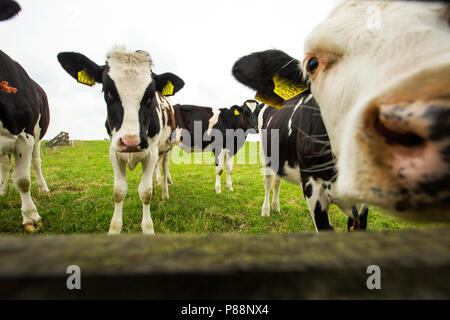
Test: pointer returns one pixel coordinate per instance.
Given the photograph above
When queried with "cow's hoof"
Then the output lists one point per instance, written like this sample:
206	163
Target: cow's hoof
169	181
158	182
29	227
113	232
165	197
265	212
148	230
229	187
276	207
4	192
43	189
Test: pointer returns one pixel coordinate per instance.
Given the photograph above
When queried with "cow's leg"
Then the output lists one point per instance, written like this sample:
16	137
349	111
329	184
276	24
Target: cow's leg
165	166
361	222
22	181
5	168
120	191
268	177
318	201
36	162
276	193
145	189
220	160
158	171
229	166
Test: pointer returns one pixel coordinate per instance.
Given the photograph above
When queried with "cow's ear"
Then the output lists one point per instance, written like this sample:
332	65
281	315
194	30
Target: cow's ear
81	68
274	75
168	83
236	110
8	9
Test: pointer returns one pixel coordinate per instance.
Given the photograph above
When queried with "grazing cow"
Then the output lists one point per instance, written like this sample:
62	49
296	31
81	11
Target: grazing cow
24	119
137	117
383	86
223	131
294	144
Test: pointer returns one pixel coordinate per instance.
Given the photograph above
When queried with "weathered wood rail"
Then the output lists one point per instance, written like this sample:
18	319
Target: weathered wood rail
414	264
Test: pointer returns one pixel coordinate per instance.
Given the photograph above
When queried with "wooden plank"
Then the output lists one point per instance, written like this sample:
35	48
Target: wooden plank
414	264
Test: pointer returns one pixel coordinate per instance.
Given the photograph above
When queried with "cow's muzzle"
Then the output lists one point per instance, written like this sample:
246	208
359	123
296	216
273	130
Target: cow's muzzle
129	143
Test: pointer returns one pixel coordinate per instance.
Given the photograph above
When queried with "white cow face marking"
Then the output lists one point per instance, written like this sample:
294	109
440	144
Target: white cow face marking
384	95
129	90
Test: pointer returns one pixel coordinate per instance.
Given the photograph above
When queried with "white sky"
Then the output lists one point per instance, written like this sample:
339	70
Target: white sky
199	40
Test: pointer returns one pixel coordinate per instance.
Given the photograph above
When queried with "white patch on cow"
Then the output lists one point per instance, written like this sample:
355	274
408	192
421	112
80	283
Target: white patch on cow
260	117
131	73
293	112
292	174
7	141
252	106
213	120
319	194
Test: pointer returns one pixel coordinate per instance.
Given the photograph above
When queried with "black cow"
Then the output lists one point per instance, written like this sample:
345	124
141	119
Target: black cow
294	142
223	131
24	119
137	120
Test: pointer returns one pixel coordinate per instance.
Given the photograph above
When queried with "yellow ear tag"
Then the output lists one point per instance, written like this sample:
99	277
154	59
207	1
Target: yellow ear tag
271	102
236	113
85	78
286	89
168	89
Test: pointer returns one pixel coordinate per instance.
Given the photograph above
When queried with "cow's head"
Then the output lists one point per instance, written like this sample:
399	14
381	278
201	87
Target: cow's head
8	9
248	114
383	86
129	87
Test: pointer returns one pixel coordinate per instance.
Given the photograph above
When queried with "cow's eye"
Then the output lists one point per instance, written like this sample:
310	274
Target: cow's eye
312	65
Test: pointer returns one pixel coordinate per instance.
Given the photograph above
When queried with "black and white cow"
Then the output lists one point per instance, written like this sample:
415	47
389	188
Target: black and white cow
223	131
137	116
24	119
294	142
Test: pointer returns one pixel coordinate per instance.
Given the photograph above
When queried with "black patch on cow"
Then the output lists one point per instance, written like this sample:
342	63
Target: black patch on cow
321	217
308	190
8	9
440	122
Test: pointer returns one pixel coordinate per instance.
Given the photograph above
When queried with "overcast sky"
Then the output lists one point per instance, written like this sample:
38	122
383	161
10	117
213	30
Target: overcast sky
199	40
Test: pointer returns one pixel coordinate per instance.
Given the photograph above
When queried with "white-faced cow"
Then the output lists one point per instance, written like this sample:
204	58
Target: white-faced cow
136	117
383	86
223	131
24	119
294	144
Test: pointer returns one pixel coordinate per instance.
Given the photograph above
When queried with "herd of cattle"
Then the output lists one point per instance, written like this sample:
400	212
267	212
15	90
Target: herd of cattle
363	119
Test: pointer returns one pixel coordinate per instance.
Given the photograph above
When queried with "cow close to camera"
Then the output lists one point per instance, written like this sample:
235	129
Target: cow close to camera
384	95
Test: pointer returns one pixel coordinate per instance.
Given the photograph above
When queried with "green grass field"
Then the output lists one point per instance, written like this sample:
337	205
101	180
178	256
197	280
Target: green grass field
80	178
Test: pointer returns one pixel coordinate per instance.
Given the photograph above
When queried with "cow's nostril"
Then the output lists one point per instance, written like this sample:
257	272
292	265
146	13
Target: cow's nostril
393	137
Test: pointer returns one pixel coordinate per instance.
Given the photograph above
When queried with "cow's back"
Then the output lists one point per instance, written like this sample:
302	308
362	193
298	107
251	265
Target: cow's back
19	111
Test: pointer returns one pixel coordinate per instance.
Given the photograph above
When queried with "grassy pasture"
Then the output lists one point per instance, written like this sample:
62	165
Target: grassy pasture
80	178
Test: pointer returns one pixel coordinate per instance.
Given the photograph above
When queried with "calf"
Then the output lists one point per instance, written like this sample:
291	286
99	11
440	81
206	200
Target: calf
24	119
383	86
294	143
223	131
136	117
